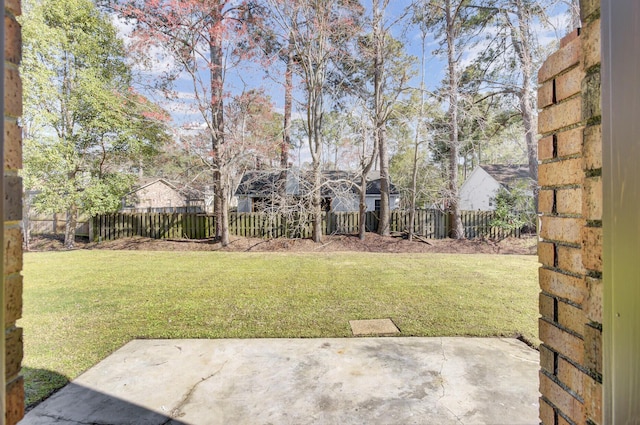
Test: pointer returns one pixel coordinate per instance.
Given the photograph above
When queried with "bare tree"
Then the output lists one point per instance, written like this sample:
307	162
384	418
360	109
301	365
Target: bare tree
517	16
378	74
457	23
389	82
202	39
419	131
512	62
318	31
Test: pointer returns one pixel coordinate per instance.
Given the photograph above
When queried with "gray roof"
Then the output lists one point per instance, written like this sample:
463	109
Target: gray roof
507	175
261	183
373	188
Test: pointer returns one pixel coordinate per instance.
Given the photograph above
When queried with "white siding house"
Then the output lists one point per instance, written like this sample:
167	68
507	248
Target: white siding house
480	188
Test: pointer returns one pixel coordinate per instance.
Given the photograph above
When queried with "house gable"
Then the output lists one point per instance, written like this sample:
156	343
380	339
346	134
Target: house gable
478	191
156	194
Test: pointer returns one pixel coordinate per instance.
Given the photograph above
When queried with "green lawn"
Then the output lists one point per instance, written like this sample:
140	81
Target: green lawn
79	306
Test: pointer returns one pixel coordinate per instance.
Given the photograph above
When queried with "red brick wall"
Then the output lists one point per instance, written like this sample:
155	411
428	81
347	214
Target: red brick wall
13	214
570	250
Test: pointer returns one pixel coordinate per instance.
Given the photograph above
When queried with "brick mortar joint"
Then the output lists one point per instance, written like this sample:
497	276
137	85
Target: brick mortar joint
563	272
561	299
562	385
557	410
594	274
594	325
556	215
561	187
583	369
581	123
565	100
560	74
566	418
590	272
563	243
593	224
597	377
563	328
561	158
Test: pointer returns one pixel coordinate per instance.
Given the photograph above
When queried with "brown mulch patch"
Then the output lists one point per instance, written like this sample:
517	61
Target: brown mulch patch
336	243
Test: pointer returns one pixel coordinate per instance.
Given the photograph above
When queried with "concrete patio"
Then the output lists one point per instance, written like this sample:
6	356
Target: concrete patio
460	381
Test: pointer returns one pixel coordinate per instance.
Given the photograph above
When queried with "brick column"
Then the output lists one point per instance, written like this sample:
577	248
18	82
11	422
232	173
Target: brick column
13	214
562	281
592	211
570	250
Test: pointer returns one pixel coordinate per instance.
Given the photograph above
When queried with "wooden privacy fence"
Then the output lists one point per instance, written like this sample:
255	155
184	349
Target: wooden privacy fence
477	224
431	224
53	224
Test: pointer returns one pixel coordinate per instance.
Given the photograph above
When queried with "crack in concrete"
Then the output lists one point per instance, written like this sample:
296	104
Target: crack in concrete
444	360
62	418
444	391
177	411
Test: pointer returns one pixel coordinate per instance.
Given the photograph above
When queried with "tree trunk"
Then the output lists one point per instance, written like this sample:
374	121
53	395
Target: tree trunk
70	226
224	237
316	203
315	146
456	230
414	186
380	127
26	215
366	163
314	122
288	107
530	123
217	124
385	209
362	224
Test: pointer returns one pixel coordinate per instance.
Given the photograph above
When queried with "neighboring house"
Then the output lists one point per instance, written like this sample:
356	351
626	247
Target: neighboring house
160	195
479	190
264	190
372	197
